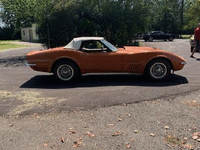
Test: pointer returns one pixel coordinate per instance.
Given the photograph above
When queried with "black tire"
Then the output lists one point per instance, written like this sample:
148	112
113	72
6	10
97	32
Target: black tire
158	69
171	39
66	71
151	39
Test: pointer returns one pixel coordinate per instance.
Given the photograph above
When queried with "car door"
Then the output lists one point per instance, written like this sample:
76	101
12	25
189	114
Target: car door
156	35
98	59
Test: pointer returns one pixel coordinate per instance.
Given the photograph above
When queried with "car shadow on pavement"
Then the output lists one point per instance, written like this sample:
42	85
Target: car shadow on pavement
49	82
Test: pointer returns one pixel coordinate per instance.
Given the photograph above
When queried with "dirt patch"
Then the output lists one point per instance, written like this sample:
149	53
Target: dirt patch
24	101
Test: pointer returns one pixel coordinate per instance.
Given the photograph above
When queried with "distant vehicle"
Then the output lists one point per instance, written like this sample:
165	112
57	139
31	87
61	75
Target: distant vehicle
140	36
96	55
158	35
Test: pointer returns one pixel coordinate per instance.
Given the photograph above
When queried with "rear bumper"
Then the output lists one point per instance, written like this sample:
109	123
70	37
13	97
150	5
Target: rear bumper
27	64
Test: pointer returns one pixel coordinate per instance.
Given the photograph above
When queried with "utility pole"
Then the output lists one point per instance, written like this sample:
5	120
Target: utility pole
48	36
182	6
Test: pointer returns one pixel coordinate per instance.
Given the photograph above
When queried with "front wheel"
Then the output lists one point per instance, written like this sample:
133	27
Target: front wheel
66	71
158	69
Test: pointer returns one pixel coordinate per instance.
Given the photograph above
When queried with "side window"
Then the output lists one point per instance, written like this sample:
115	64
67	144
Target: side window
92	46
162	33
157	33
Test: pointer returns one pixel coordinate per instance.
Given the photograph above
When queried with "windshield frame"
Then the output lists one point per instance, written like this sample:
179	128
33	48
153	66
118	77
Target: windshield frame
109	45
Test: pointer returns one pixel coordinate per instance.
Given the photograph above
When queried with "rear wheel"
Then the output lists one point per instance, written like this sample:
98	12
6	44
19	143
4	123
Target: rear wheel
158	69
171	39
66	71
151	39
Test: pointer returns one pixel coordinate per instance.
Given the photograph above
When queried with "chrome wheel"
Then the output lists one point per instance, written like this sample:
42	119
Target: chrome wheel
65	72
158	70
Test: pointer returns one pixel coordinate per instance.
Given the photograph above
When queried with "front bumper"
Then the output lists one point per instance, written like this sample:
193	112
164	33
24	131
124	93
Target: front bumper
183	63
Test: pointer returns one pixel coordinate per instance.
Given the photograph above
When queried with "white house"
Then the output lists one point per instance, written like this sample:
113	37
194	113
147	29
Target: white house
29	33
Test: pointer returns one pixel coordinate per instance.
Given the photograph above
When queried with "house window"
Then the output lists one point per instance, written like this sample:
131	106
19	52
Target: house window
24	32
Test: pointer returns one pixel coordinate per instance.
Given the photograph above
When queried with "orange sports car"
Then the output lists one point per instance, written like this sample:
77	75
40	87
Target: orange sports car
96	55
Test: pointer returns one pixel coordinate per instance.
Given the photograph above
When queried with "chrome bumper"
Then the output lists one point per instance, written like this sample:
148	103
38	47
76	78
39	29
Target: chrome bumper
183	63
27	64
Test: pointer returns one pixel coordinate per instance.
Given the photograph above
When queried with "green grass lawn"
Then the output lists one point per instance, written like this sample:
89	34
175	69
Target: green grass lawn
186	36
4	45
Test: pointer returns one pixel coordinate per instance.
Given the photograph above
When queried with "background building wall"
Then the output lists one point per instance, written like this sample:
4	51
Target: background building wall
29	34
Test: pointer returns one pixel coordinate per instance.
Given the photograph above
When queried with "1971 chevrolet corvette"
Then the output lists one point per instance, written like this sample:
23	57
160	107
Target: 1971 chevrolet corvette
96	55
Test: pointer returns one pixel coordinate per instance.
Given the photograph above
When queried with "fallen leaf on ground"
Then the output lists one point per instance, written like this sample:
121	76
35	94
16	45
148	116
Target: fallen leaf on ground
196	133
110	125
120	119
128	146
71	131
152	134
166	127
124	104
136	131
195	137
77	144
90	134
185	140
189	146
62	139
11	125
117	133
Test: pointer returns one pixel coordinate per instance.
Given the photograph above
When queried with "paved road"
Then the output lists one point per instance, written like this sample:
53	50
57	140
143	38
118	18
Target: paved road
26	91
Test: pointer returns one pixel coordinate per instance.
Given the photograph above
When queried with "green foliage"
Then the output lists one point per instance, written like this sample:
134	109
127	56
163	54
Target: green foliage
193	15
60	27
4	45
119	21
7	33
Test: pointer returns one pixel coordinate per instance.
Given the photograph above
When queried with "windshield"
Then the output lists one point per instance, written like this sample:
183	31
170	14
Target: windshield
109	45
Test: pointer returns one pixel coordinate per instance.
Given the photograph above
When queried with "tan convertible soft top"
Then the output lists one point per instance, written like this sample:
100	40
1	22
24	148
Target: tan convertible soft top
76	42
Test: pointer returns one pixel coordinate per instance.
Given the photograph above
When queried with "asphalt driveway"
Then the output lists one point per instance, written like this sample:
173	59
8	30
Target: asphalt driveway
93	91
100	112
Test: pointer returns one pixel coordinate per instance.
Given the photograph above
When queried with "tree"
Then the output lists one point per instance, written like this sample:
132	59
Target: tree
193	16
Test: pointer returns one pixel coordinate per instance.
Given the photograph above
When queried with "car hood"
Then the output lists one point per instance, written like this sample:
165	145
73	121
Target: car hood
157	52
